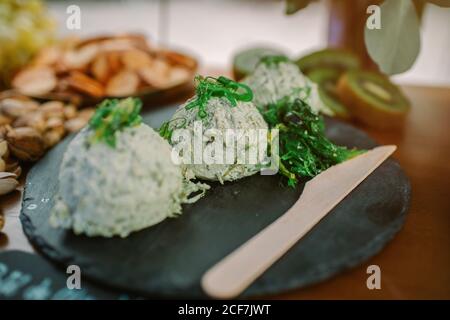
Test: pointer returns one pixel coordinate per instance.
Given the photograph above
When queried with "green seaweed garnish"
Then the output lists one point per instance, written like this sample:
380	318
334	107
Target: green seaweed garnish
208	87
274	60
304	150
166	130
113	115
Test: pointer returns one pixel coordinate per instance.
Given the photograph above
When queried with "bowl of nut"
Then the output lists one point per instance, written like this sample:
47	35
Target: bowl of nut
85	71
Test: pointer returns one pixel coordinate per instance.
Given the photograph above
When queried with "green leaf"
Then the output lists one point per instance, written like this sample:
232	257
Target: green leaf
292	6
440	3
396	45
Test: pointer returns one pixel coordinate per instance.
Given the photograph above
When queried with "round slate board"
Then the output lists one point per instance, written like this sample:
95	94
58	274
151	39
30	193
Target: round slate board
168	260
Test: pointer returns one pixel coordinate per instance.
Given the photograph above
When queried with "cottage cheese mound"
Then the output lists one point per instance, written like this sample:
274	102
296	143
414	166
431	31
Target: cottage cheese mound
105	191
273	82
221	115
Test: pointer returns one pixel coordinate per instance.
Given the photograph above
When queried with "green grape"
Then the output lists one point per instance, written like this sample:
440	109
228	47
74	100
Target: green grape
33	6
5	11
25	27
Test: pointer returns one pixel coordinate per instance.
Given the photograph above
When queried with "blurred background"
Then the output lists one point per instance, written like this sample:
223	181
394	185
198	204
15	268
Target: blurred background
49	87
212	30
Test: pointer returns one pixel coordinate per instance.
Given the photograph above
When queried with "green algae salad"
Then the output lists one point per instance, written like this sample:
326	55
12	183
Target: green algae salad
304	150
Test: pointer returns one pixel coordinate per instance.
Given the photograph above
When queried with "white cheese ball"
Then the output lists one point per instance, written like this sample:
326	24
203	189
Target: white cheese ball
271	82
221	115
106	191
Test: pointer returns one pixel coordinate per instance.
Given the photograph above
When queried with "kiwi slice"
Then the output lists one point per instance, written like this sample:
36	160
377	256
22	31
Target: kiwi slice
373	99
338	59
245	61
326	79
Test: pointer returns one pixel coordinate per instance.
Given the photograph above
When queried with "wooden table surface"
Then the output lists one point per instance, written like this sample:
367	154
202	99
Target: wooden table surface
416	264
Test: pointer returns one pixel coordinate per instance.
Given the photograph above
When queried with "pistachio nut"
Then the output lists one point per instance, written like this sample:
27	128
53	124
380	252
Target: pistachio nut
25	143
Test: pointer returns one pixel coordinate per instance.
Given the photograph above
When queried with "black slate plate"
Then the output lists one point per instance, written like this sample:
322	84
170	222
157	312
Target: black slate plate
168	260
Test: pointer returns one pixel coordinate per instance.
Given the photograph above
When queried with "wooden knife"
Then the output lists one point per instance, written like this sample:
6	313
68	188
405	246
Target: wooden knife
233	274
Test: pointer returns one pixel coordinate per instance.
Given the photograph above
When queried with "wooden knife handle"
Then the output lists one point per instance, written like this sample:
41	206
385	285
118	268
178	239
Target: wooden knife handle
238	270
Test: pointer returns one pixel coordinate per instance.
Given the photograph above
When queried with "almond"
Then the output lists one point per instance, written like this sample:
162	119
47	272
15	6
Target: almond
80	58
180	59
122	84
85	84
156	75
115	41
100	68
161	67
114	62
35	81
47	56
178	75
135	59
69	42
117	44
